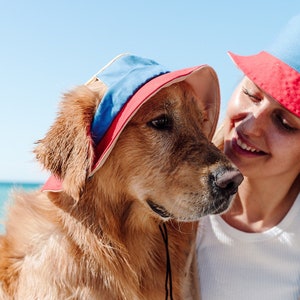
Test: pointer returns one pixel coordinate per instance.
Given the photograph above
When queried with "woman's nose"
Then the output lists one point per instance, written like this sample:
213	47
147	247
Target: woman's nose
255	123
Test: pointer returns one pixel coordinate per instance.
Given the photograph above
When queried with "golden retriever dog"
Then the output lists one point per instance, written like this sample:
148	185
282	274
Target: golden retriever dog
123	221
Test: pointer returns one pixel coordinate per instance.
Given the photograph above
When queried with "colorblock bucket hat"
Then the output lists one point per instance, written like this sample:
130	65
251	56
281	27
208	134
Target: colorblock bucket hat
131	81
277	70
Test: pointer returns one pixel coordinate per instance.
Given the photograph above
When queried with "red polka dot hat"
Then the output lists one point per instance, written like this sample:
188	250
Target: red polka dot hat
277	70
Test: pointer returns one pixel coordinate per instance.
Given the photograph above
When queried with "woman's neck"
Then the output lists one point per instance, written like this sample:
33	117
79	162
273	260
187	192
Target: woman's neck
260	205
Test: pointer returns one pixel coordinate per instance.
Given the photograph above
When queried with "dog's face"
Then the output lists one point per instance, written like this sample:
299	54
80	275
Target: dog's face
168	162
163	158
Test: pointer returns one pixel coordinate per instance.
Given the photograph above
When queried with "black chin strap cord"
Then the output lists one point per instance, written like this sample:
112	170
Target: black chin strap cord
168	283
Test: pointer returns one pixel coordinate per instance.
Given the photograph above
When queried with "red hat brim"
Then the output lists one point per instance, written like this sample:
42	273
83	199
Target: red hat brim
273	76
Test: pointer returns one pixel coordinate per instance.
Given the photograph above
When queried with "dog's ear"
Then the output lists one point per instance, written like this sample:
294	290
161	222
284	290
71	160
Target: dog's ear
67	150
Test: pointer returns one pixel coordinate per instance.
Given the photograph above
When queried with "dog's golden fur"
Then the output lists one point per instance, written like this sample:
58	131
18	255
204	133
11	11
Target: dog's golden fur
100	237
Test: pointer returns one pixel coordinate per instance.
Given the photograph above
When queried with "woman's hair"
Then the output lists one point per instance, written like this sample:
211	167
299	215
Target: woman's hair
218	138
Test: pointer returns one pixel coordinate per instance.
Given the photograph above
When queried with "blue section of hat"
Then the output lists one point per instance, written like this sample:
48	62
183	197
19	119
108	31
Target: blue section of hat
122	78
287	45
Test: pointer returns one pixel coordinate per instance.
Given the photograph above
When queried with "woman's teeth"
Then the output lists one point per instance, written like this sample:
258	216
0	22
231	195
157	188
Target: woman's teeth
246	147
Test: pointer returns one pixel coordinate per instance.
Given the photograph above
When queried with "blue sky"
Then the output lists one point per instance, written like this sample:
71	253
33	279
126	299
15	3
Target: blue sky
48	47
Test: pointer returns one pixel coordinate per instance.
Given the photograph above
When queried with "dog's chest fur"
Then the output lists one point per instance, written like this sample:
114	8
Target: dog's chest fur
85	262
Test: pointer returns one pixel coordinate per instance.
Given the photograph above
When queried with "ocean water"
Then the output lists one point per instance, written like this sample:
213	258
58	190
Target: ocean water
5	189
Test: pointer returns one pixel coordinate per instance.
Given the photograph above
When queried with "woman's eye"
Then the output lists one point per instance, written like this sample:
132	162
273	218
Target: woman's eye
254	98
283	124
161	123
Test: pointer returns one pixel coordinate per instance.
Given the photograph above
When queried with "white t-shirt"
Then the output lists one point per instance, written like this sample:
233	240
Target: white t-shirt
235	265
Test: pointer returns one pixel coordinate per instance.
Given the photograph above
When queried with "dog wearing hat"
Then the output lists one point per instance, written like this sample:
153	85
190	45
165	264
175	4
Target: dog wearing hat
133	170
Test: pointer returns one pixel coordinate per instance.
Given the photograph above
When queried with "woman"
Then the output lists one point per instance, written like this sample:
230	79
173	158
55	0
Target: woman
252	251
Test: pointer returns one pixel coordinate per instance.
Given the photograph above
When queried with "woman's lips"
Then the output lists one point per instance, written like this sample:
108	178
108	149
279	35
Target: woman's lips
242	147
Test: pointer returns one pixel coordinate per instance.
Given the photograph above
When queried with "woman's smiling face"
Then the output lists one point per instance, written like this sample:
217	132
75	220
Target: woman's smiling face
261	137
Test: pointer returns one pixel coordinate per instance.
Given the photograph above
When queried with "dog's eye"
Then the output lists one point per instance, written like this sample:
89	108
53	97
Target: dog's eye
161	123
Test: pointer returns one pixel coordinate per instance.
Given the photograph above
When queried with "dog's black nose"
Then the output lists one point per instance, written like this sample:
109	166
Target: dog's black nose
228	180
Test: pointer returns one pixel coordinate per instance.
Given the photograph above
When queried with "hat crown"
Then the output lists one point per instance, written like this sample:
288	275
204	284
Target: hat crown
123	76
287	45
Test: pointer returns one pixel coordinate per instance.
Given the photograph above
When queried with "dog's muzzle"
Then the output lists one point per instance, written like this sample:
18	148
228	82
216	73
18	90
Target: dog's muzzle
224	184
226	181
